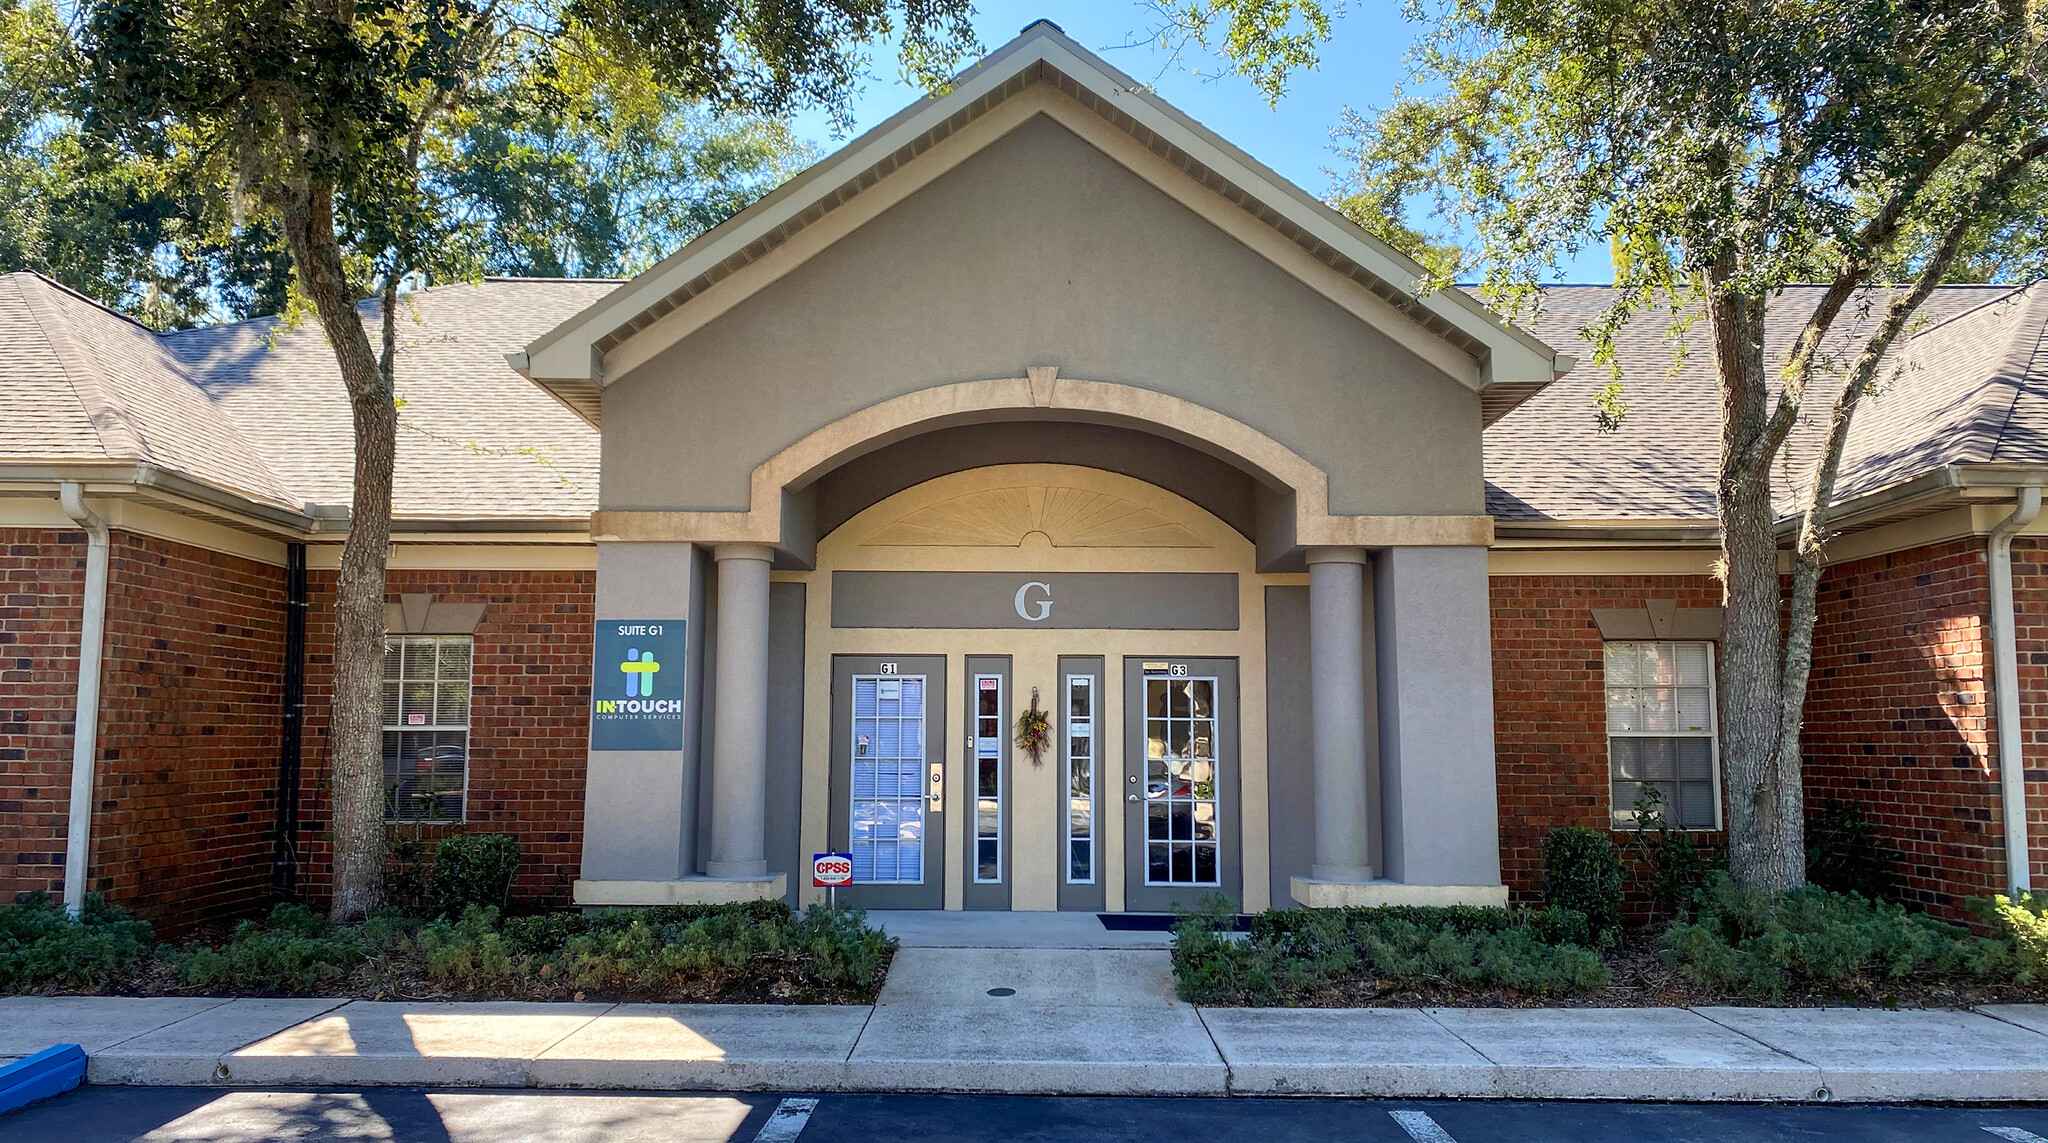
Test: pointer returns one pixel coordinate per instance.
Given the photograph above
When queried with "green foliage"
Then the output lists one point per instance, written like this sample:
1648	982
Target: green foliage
43	947
1763	944
1677	868
294	950
1582	872
1292	955
407	872
682	949
2024	922
474	869
1845	852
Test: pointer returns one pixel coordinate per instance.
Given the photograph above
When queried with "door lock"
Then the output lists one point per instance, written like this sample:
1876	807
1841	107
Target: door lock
1130	797
936	793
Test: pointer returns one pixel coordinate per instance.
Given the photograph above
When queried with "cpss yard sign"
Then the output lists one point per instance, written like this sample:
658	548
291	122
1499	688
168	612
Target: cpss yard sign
831	870
636	688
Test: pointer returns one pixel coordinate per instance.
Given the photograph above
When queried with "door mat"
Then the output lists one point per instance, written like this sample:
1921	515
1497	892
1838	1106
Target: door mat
1156	922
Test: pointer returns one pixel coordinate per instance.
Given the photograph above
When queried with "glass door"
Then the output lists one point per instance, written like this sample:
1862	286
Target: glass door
888	785
1181	782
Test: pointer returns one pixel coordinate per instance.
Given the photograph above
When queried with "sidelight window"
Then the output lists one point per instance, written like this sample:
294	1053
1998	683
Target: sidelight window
1081	755
1660	731
426	727
988	778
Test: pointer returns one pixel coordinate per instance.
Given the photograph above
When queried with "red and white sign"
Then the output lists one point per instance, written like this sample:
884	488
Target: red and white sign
830	869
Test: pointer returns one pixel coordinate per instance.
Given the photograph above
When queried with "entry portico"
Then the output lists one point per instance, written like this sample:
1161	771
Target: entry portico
1040	396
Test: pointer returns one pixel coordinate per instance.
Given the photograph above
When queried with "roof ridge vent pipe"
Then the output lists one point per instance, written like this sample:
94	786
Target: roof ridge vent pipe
92	635
2005	667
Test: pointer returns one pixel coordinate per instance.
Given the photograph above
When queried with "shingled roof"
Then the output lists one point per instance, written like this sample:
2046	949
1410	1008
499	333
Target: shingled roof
1964	388
255	409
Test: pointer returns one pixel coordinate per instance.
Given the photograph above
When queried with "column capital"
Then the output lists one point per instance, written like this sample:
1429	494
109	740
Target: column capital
760	552
1343	555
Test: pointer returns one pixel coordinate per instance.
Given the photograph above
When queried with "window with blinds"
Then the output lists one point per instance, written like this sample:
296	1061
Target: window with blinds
1660	731
426	727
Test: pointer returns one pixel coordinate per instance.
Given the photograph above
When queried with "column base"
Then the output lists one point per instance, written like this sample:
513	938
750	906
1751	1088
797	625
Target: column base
688	891
1316	893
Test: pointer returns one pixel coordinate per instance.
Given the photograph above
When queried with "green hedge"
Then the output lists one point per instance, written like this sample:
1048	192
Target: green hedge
42	947
1762	944
1291	956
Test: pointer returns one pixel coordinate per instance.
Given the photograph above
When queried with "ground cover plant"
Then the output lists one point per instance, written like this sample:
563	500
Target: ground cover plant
1342	957
755	952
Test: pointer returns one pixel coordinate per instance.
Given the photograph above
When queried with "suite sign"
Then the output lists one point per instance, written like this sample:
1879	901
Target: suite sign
1130	601
636	691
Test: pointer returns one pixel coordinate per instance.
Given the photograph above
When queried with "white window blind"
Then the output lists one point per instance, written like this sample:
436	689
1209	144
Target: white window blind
1660	730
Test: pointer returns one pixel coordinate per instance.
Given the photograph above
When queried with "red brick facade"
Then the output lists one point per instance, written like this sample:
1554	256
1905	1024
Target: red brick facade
42	573
1898	718
529	717
1550	705
190	712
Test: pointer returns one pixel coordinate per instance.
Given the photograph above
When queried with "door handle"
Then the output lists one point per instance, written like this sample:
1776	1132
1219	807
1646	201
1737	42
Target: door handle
937	791
1130	797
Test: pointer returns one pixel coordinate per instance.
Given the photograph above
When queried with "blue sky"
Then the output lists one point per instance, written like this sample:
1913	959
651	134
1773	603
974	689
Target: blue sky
1360	66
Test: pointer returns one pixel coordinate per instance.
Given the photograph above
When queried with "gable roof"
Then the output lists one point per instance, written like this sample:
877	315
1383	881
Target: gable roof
1510	364
84	383
1964	388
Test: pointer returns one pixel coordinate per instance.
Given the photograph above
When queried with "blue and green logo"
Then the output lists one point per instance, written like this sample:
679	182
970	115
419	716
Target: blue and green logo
639	670
629	656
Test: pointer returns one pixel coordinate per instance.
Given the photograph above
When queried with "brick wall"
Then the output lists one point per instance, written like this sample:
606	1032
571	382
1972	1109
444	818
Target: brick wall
190	712
42	576
1550	705
1897	713
529	717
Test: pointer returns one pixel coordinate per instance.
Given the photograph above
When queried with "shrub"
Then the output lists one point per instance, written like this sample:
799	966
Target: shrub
293	951
406	871
1761	944
1582	872
693	948
1676	867
42	946
474	869
1846	853
1293	954
2024	922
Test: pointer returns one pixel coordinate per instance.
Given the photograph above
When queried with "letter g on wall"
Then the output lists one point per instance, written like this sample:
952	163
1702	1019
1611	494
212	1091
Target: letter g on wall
1041	607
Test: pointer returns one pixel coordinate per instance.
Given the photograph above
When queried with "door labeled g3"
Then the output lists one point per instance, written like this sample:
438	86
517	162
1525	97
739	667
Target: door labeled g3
888	778
1182	829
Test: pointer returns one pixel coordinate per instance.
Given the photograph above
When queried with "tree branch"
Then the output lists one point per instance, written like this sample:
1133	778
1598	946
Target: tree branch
1876	234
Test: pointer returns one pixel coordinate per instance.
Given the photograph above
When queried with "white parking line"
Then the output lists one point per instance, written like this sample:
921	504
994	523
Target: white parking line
1421	1128
787	1121
2016	1135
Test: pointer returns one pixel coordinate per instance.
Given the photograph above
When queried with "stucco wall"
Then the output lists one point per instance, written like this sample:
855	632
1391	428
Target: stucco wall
1041	250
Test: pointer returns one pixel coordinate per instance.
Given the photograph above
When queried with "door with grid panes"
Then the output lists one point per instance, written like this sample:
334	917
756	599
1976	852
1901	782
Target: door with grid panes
1182	830
888	778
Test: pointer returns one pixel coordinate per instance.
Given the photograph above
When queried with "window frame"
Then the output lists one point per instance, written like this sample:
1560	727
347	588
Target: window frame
1084	681
392	816
1712	734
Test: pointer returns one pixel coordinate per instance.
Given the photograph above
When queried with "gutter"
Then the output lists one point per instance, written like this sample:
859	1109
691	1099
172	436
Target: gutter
289	756
85	726
2012	775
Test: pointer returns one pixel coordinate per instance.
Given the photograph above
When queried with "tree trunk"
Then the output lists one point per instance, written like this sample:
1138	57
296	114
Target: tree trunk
356	728
1766	846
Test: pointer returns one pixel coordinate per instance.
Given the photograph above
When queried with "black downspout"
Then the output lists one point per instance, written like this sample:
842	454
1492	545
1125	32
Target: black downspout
287	857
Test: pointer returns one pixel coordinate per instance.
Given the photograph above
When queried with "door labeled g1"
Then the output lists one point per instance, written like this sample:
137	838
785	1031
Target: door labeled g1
888	778
1182	828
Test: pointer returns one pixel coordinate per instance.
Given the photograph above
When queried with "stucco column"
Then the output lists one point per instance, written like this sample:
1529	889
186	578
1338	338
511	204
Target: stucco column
1336	606
739	736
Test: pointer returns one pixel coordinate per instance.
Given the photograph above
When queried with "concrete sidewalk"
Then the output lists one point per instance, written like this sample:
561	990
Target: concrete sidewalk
1055	1021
